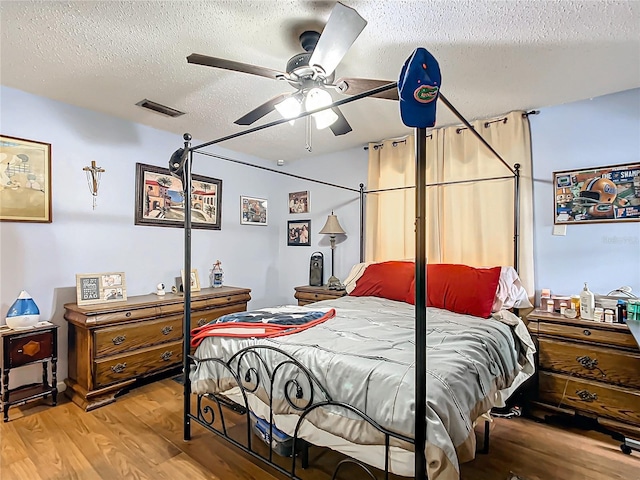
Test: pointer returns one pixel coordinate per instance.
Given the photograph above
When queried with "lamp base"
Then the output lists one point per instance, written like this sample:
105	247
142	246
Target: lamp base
334	283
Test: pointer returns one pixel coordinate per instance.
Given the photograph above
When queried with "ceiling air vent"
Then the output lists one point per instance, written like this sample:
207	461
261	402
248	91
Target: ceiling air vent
156	107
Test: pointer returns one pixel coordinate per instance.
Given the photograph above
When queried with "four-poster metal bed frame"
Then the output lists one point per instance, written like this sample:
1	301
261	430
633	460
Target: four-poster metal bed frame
247	377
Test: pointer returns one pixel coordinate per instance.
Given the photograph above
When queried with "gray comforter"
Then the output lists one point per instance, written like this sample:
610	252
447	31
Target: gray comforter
365	357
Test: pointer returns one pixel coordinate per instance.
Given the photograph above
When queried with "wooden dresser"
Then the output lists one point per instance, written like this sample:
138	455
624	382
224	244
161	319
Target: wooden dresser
307	294
112	346
587	368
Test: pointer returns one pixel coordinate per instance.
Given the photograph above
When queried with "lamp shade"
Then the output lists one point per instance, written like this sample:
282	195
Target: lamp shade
332	227
317	98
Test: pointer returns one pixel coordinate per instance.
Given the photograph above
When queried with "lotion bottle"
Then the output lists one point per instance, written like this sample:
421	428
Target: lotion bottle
587	303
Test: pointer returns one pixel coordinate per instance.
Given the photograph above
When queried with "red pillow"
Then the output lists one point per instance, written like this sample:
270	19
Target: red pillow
387	280
460	288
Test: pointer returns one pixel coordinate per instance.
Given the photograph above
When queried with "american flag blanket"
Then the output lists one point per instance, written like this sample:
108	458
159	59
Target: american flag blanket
263	323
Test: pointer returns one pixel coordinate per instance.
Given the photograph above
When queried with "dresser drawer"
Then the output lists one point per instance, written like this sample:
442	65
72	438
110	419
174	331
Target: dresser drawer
592	397
199	319
112	340
589	361
587	334
141	362
29	348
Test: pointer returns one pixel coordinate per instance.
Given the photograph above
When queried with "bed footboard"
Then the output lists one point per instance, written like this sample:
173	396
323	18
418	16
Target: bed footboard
284	387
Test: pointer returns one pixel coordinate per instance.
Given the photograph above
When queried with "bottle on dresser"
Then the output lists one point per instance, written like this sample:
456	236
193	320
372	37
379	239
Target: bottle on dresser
587	303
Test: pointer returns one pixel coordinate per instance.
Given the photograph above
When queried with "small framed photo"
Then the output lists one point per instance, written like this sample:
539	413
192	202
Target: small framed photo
299	233
299	202
96	288
253	211
195	279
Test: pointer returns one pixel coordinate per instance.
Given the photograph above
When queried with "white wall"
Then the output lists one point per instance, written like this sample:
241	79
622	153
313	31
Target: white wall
591	133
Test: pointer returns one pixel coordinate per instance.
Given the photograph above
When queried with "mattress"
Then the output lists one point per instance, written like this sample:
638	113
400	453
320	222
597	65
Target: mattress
364	357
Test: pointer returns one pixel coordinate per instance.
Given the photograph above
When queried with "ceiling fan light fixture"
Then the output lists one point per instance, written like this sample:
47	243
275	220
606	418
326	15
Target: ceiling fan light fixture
318	98
289	108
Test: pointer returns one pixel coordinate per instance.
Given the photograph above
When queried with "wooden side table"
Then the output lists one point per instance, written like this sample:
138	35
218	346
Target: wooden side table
306	294
27	347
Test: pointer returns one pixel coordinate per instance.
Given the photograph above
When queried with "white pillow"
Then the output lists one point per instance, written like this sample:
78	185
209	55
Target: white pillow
510	292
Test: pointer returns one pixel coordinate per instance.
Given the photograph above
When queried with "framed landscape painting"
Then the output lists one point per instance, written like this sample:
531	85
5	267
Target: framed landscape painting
597	194
160	199
25	180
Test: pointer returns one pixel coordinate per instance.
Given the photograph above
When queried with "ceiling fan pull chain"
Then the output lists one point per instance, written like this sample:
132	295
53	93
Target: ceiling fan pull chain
308	135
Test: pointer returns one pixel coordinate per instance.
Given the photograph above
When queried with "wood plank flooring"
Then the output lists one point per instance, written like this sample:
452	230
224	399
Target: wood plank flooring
140	437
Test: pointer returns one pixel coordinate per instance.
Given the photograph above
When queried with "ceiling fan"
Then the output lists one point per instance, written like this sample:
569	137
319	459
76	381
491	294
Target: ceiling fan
311	73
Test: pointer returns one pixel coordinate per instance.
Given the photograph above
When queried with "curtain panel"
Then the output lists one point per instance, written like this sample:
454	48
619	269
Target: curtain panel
469	223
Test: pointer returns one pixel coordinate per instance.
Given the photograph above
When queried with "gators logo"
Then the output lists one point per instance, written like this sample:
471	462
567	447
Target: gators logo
425	93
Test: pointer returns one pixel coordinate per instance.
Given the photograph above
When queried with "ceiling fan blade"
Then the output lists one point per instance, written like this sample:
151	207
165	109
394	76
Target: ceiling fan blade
354	86
259	112
342	29
207	61
340	126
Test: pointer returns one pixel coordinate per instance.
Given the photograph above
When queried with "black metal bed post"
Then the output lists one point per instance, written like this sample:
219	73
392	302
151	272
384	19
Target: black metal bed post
516	218
362	222
186	285
421	305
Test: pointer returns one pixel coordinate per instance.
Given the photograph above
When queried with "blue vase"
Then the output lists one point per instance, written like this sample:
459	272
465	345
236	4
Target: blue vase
24	312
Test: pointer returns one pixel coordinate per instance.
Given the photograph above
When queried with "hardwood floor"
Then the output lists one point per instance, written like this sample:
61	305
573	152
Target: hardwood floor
140	437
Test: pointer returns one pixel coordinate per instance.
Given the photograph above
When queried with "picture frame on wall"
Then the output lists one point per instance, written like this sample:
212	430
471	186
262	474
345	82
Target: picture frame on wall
299	202
597	194
195	279
160	199
253	211
25	175
97	288
299	233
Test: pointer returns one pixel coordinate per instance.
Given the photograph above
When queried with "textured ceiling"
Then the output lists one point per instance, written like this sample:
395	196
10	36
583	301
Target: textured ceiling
494	57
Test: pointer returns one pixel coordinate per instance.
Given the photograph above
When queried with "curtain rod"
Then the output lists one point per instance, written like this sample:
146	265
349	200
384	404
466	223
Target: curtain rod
394	143
277	171
438	184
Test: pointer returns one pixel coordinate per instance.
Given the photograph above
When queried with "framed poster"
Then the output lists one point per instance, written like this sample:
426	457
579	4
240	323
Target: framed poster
160	199
298	233
95	288
25	180
599	194
299	202
253	211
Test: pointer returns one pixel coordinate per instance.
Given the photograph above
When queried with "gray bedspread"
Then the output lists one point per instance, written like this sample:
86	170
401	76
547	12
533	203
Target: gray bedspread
365	357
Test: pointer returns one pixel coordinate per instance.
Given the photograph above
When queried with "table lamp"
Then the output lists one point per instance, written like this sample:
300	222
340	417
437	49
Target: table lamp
333	228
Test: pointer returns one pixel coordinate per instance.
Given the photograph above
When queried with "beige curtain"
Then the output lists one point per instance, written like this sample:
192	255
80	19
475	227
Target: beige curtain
469	223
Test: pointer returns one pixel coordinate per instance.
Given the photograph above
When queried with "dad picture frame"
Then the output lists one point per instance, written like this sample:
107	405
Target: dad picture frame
195	280
597	194
96	288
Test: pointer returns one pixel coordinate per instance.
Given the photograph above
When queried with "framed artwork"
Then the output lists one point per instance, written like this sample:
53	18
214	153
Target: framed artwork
95	288
598	194
25	180
160	199
195	280
299	202
299	233
253	211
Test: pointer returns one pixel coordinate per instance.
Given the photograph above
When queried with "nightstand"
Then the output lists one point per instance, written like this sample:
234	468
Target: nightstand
27	347
307	294
587	368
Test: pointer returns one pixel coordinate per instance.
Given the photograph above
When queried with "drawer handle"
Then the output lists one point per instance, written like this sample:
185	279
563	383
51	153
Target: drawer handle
586	332
590	363
202	321
166	356
119	339
586	396
118	368
167	330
